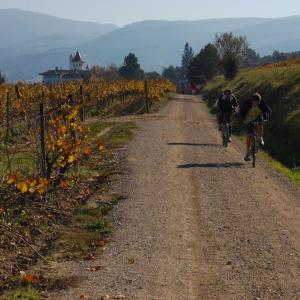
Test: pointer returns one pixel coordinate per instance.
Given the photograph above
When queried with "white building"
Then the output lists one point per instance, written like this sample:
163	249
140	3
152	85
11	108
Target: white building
77	71
76	62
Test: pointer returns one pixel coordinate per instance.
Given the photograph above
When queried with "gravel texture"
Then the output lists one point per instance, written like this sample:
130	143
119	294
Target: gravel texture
198	223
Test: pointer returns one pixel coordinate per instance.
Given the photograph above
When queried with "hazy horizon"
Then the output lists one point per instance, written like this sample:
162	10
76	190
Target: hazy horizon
133	11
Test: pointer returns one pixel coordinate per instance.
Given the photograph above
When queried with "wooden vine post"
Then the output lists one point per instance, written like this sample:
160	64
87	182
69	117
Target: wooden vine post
7	118
82	112
147	97
42	137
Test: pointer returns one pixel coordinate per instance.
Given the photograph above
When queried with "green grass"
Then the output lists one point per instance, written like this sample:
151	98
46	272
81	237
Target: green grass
94	218
22	294
120	134
91	227
293	175
21	161
100	225
156	105
280	87
96	128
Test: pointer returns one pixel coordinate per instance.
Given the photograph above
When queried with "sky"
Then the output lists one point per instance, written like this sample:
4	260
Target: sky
121	12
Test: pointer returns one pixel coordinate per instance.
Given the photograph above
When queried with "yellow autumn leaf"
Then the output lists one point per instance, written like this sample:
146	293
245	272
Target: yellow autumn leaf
31	189
101	147
11	179
63	129
87	151
65	184
43	184
22	187
71	159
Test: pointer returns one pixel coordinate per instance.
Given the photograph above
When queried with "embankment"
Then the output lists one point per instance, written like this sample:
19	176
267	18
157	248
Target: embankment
279	86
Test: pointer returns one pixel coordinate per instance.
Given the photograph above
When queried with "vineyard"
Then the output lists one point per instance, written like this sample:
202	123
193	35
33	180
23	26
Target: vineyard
48	123
44	147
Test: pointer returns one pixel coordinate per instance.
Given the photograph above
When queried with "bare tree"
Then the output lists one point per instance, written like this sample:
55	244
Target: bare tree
231	49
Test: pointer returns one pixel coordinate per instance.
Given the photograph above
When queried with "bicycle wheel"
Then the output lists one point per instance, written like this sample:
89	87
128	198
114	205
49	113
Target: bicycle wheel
225	134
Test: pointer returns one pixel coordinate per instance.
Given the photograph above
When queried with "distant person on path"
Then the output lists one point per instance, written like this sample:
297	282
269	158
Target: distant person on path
254	110
193	86
227	105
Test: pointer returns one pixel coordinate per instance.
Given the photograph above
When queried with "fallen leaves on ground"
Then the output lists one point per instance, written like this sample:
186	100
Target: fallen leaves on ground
101	147
28	278
119	296
89	257
93	269
131	261
102	243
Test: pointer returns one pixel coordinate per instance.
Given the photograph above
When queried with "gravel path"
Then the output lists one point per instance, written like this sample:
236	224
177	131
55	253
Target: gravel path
198	222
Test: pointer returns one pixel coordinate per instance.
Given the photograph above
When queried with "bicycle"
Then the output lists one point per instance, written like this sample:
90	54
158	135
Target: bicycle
225	130
254	142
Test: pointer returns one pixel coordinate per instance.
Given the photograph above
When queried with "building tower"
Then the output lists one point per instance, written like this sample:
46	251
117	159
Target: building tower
76	62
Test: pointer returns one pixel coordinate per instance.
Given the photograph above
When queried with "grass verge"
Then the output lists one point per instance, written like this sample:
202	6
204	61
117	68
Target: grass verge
293	175
77	229
22	294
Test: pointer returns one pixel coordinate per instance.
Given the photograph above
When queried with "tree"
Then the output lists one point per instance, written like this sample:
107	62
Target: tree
152	75
2	79
205	65
231	67
131	68
110	73
231	49
173	73
187	58
251	58
278	56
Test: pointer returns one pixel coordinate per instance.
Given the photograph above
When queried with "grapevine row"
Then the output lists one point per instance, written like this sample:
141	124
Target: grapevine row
46	122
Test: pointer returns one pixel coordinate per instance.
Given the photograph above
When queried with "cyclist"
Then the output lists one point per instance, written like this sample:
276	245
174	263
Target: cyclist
254	110
227	105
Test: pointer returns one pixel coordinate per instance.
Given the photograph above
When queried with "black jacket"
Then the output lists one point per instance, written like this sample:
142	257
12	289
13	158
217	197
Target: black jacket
227	105
266	110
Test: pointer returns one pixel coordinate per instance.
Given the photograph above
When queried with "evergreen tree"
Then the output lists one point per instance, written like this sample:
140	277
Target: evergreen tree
173	73
186	60
131	68
205	65
2	79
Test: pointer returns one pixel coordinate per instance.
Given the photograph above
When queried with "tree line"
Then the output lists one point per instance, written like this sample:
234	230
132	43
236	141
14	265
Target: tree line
225	55
130	69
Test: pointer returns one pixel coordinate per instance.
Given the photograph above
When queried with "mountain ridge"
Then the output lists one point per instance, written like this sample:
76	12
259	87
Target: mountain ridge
157	43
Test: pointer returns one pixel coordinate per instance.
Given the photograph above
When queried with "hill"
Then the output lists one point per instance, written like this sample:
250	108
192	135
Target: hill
22	26
34	34
279	86
156	43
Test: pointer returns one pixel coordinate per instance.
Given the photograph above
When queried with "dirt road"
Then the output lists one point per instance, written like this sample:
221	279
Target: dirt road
198	222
